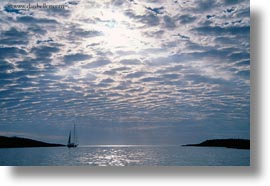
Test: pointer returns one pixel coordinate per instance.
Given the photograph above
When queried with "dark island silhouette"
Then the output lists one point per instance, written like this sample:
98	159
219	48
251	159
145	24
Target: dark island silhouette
229	143
17	142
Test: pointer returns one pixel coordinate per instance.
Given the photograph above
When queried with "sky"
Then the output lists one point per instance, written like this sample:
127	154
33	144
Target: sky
125	71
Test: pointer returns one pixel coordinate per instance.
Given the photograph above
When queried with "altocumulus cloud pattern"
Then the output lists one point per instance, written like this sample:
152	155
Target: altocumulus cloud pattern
134	65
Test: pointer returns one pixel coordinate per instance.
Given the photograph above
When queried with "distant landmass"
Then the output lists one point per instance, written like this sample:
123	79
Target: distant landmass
16	142
229	143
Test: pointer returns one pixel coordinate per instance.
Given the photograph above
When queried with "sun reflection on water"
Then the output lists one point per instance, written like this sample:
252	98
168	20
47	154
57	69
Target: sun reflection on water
111	157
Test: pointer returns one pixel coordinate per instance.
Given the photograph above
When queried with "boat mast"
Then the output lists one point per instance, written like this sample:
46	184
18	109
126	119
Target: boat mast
74	134
69	137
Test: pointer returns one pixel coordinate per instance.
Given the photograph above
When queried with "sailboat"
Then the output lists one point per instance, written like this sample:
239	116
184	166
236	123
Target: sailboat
72	139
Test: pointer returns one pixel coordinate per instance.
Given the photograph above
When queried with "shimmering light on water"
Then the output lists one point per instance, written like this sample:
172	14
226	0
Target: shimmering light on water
125	155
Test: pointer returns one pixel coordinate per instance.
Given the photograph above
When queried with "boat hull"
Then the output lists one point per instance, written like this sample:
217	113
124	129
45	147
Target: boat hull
71	145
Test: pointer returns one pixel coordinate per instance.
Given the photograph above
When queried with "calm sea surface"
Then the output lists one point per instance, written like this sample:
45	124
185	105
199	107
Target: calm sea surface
125	155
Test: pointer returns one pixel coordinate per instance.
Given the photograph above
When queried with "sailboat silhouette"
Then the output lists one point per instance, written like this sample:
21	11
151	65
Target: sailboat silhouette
72	139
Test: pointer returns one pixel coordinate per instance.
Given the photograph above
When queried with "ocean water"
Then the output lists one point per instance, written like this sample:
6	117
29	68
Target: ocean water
124	155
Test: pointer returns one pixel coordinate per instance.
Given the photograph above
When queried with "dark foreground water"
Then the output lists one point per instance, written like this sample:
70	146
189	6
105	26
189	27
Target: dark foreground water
125	156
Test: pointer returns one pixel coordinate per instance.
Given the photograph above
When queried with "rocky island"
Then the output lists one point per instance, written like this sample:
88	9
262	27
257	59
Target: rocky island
229	143
16	142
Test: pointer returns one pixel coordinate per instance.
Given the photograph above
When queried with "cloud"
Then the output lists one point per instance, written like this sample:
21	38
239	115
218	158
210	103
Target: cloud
239	56
72	58
11	52
183	37
86	33
44	41
151	79
226	40
136	75
159	10
44	52
169	22
244	13
118	2
217	30
98	63
244	73
114	71
106	81
205	5
130	62
4	66
186	19
37	30
33	20
148	19
243	63
233	2
14	37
